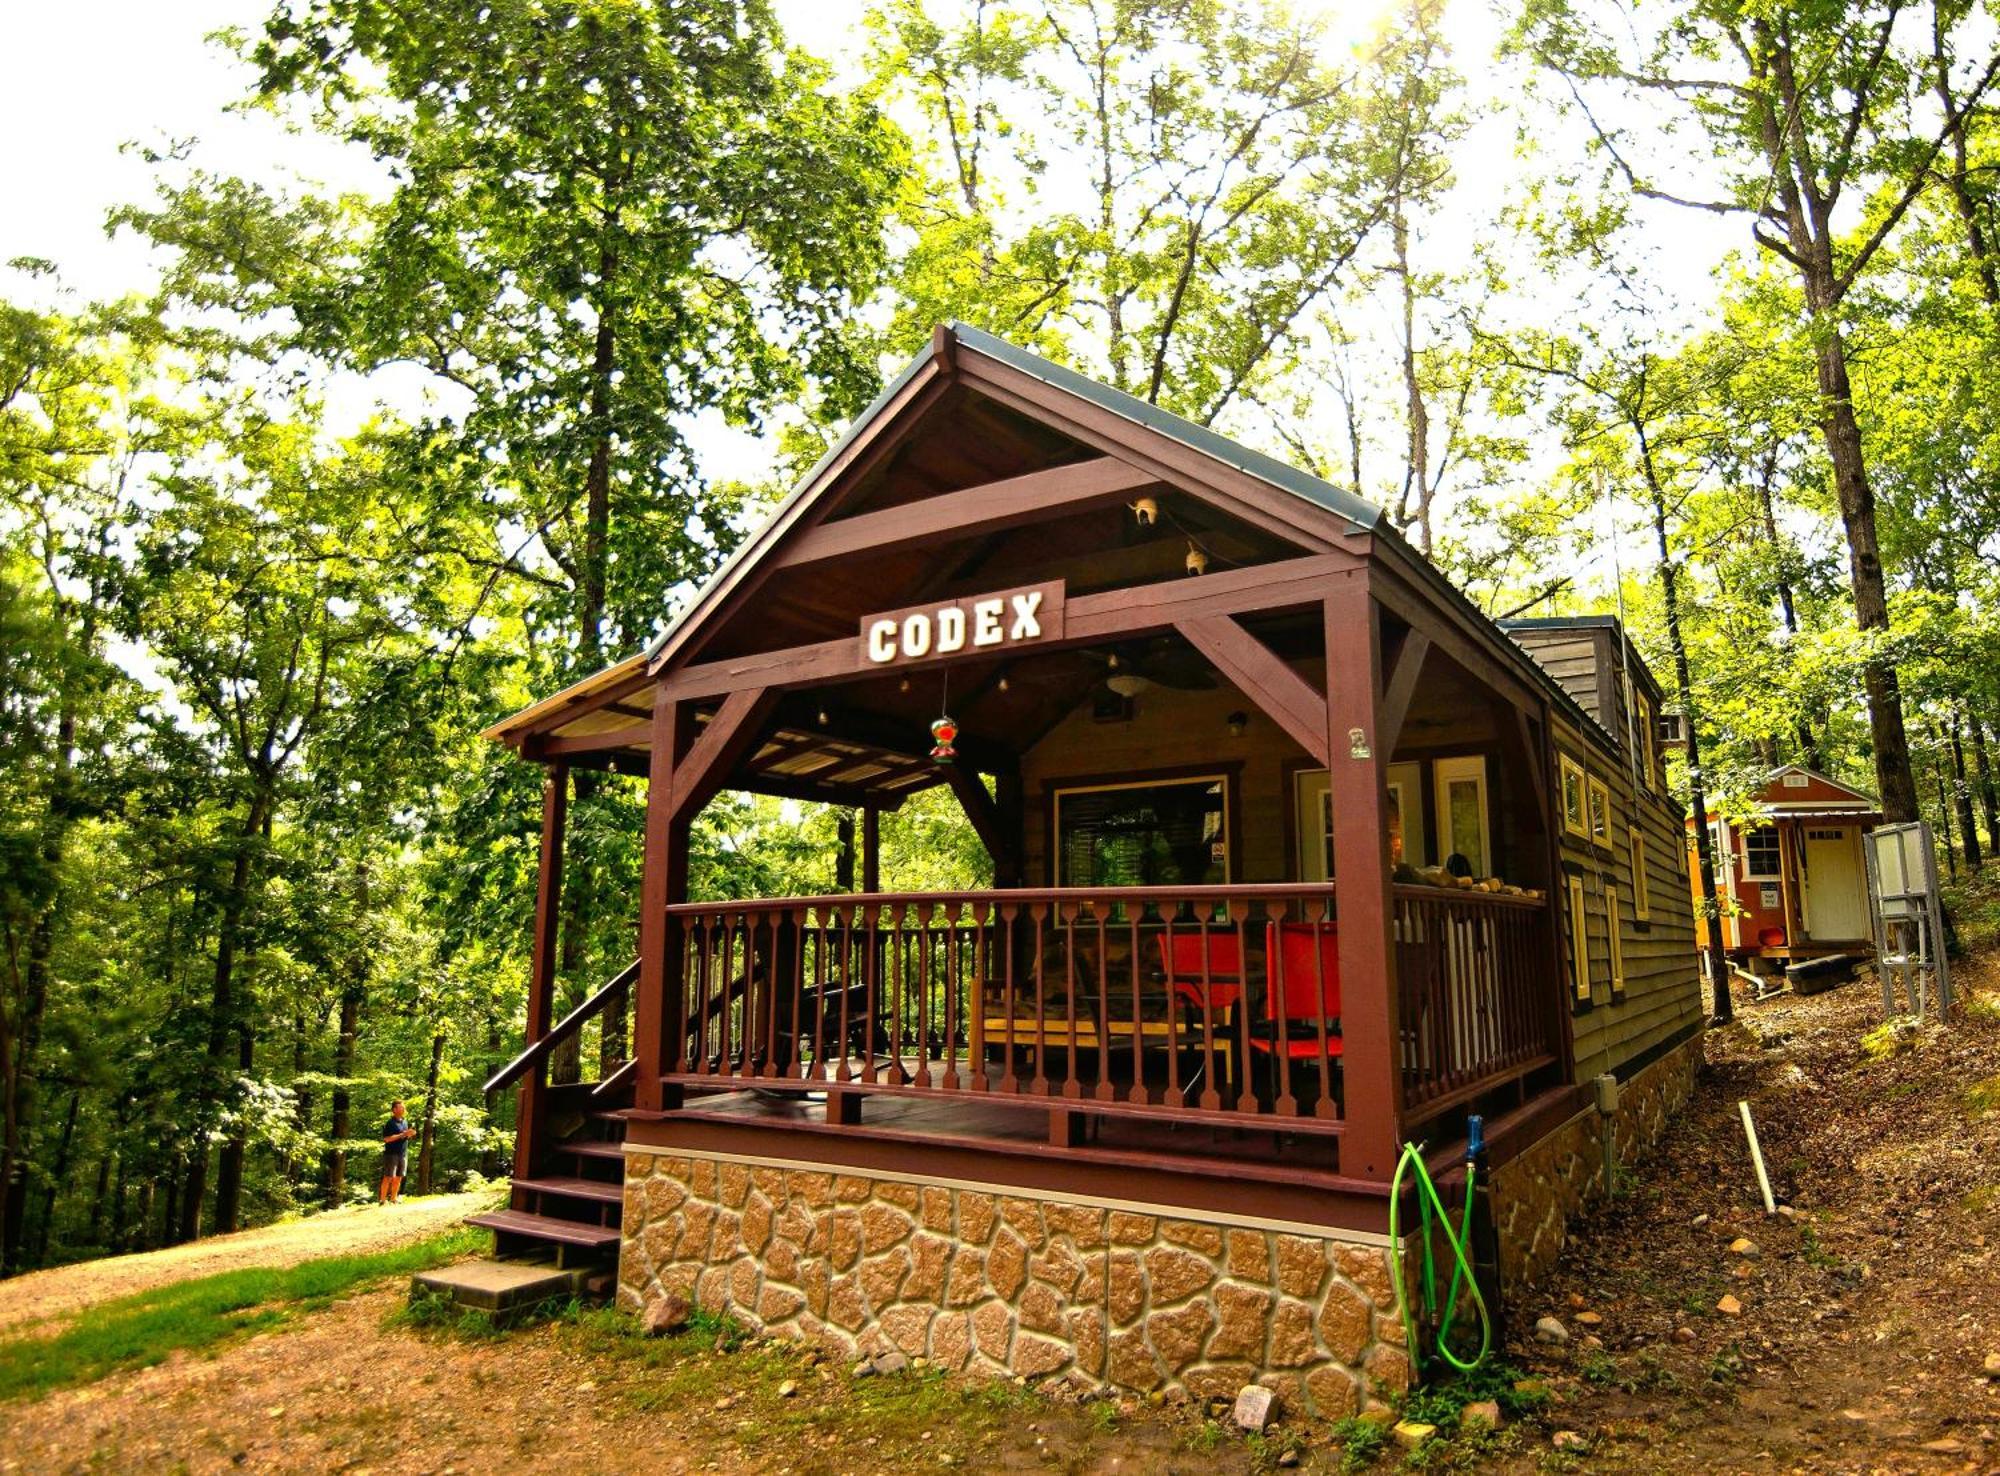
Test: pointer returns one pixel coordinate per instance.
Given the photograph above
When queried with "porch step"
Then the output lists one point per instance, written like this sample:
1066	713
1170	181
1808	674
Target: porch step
548	1228
601	1191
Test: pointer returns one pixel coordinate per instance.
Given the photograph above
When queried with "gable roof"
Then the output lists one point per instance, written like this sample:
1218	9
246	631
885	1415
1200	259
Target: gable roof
953	338
1328	512
1774	788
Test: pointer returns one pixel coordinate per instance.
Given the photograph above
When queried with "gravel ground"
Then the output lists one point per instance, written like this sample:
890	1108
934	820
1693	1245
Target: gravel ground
66	1290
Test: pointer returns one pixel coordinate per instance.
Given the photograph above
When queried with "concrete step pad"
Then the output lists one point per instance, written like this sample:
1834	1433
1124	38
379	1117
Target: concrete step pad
501	1286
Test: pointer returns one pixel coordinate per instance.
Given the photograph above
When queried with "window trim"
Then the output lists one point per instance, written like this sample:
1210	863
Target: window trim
1569	768
1642	885
1442	776
1615	935
1595	788
1778	844
1226	776
1579	941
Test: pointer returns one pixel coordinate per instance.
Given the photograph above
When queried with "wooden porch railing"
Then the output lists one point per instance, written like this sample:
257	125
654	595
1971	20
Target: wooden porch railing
1478	1007
1154	1002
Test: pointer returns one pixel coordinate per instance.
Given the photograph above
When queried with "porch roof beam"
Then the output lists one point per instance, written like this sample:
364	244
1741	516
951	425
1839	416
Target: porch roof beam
1033	497
1089	619
1250	666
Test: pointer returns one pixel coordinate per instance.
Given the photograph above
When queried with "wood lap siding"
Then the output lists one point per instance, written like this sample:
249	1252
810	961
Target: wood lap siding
1572	657
1661	995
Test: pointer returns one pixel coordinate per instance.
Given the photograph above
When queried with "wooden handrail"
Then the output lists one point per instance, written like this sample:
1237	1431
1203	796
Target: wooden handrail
569	1025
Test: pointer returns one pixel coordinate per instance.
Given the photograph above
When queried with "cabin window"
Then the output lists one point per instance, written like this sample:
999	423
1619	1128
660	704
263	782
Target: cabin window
1461	812
1617	941
1575	822
1150	833
1761	853
1642	901
1406	816
1579	945
1600	812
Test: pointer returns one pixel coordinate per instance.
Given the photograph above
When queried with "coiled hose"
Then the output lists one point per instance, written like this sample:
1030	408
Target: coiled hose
1461	1275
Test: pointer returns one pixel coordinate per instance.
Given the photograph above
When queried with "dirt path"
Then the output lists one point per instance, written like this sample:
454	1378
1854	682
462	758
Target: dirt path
348	1391
1866	1315
65	1290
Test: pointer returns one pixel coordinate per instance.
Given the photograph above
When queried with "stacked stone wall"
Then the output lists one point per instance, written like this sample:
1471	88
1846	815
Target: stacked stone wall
1537	1194
1042	1288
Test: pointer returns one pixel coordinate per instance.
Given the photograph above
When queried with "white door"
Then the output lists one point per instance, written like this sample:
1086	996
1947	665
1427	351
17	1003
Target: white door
1836	896
1461	811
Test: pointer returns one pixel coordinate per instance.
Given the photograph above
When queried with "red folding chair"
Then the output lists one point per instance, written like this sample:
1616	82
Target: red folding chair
1303	974
1205	973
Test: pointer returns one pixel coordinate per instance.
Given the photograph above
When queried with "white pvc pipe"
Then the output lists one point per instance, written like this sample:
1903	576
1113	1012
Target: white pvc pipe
1757	1157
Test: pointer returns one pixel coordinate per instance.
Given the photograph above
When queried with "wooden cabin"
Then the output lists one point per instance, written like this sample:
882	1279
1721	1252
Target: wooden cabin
1297	857
1791	883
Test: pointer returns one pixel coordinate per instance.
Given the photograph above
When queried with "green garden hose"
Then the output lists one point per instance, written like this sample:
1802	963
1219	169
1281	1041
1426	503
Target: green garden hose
1461	1275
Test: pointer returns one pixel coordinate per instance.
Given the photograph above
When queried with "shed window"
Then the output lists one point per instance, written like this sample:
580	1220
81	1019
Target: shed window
1160	833
1761	853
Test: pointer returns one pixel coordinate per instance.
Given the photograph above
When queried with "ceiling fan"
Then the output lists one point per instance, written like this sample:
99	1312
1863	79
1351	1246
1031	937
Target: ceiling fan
1134	666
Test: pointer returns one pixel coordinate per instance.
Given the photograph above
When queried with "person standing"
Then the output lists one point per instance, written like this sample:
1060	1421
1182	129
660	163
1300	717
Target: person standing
396	1135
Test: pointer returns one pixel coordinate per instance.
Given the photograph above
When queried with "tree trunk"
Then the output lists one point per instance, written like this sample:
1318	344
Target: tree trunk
1842	434
1989	797
223	1022
302	1097
99	1197
1961	793
430	1115
1704	842
343	1069
489	1156
229	1163
58	1176
1417	473
1944	820
1809	751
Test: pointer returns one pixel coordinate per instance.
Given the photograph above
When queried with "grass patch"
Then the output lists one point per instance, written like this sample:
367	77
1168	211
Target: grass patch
141	1330
1361	1442
1890	1038
1983	1096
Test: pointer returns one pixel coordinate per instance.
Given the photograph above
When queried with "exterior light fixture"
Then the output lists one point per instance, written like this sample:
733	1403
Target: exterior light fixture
1002	684
1145	512
1237	722
1197	561
822	717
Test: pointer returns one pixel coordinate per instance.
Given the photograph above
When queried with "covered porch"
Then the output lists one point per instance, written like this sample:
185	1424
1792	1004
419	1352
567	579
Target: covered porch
1267	805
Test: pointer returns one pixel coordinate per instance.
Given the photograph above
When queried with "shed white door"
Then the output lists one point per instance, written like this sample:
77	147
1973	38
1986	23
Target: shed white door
1836	896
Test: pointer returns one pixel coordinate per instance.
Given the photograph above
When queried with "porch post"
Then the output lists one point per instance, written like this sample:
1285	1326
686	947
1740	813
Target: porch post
529	1106
1372	1059
871	848
657	1027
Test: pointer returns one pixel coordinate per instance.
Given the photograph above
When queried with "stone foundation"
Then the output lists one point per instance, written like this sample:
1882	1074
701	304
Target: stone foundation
1536	1194
1009	1284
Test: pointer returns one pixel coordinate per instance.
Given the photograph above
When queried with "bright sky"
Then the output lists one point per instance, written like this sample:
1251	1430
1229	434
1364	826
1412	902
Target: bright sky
81	79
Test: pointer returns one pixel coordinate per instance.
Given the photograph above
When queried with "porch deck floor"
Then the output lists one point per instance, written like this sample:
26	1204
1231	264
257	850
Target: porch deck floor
1021	1120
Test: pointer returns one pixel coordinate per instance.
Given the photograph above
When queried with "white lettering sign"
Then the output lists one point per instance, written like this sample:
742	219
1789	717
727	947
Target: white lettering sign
1013	617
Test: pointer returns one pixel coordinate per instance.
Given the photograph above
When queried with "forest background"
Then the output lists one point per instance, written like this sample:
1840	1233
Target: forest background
478	336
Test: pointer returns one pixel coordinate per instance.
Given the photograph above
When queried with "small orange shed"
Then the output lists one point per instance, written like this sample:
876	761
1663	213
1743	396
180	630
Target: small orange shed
1792	883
